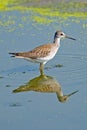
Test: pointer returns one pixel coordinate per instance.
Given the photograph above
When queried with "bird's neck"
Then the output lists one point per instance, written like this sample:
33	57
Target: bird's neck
56	41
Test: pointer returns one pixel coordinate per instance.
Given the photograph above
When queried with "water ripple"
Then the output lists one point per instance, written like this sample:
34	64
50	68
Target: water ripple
75	65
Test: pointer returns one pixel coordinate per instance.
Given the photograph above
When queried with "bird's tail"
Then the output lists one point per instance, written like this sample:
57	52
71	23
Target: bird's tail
14	54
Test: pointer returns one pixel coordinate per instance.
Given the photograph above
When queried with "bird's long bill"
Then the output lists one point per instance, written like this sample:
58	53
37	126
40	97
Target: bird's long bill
70	38
72	93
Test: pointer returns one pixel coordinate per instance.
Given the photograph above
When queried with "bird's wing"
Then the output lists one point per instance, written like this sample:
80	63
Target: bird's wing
38	52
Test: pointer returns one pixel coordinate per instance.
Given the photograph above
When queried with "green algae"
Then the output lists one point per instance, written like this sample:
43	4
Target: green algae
44	14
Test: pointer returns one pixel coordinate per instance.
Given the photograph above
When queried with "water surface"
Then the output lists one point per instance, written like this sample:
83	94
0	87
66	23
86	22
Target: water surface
22	31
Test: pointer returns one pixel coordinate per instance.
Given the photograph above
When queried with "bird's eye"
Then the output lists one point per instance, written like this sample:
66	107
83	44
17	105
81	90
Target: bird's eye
61	34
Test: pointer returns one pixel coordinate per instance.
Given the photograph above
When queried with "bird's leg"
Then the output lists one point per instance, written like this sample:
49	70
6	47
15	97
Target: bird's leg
41	68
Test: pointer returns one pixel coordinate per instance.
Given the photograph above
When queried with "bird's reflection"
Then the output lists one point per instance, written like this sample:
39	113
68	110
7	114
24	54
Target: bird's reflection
44	83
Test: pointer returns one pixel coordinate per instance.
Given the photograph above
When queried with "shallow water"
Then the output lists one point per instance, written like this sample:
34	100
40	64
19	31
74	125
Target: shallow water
35	110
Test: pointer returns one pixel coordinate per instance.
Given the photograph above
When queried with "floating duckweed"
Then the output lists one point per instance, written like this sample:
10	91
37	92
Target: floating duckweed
44	14
58	65
43	20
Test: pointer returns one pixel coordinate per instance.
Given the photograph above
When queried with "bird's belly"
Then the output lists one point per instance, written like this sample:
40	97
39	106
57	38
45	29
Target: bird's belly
40	59
37	60
32	60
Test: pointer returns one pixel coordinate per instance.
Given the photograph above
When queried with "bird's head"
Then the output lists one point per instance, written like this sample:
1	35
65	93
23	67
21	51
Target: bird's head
60	34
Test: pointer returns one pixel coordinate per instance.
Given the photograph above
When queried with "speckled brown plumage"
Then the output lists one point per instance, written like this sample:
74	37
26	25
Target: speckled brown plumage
38	52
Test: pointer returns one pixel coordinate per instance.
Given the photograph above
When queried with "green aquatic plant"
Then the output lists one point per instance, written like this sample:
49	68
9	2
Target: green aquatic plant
47	13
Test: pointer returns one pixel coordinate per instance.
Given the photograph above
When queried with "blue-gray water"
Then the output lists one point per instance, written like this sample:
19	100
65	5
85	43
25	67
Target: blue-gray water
35	110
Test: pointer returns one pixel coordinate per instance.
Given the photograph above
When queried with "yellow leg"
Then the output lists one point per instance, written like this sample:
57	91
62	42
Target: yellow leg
41	68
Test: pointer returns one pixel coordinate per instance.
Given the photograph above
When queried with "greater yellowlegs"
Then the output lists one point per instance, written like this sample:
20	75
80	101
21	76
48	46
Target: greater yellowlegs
42	54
